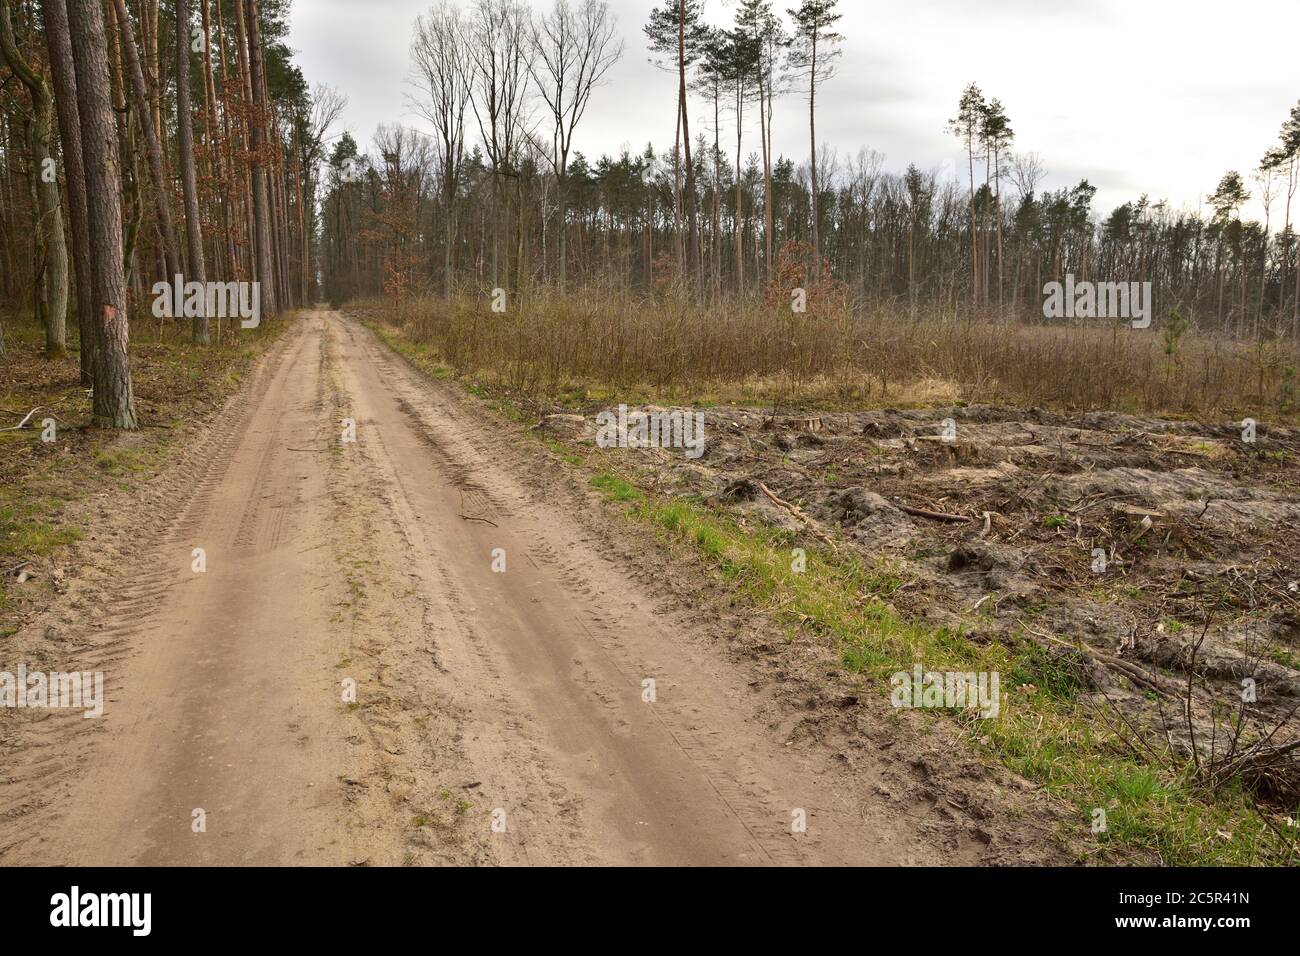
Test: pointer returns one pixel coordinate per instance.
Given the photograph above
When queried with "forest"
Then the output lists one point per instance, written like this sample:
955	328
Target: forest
501	194
142	144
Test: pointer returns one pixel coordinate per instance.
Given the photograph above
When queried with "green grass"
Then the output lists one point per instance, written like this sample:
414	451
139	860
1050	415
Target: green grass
616	489
561	449
123	461
26	529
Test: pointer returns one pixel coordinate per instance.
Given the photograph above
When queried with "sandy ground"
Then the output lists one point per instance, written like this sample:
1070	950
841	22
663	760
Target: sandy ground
499	716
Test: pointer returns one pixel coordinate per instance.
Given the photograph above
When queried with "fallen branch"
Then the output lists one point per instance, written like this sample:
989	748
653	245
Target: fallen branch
477	518
26	419
808	522
933	515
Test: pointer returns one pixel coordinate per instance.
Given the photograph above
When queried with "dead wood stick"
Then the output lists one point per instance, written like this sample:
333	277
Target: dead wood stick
933	515
26	418
808	522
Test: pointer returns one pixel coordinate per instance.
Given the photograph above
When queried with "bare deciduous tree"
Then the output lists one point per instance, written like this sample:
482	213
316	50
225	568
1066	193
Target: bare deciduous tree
327	105
501	56
575	48
441	68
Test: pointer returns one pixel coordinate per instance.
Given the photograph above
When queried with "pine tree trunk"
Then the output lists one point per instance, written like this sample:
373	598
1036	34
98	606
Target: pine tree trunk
59	43
114	405
679	241
48	221
812	135
189	178
153	145
765	134
717	195
151	51
257	143
974	241
997	208
692	213
737	231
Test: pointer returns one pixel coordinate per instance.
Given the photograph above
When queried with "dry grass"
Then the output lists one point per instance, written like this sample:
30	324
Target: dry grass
746	352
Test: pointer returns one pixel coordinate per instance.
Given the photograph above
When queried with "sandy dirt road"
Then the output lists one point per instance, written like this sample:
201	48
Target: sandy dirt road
499	716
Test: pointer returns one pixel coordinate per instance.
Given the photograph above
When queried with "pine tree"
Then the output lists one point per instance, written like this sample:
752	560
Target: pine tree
812	56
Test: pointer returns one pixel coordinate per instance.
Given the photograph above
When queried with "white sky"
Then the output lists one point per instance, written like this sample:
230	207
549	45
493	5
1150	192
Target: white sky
1155	96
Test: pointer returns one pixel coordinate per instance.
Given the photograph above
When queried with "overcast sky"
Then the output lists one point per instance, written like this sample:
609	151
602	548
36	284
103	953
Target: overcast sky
1154	96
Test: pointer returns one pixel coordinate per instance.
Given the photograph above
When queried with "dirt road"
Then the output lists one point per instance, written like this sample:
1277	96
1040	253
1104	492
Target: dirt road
552	712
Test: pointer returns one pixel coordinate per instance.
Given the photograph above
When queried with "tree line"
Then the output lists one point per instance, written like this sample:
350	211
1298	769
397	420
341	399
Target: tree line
500	196
145	141
141	140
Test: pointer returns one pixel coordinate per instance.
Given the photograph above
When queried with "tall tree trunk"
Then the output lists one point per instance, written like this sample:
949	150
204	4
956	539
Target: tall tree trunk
304	234
449	204
152	73
7	207
48	220
717	195
997	210
153	145
59	42
679	239
737	230
211	154
984	235
812	135
1295	301
280	205
765	134
189	178
234	266
261	200
114	405
974	242
692	212
133	207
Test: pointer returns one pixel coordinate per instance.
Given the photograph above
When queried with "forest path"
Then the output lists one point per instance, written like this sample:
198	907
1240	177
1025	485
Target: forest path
498	717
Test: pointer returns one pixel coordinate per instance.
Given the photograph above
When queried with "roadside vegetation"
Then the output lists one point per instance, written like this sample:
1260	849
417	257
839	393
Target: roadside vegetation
586	344
863	609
